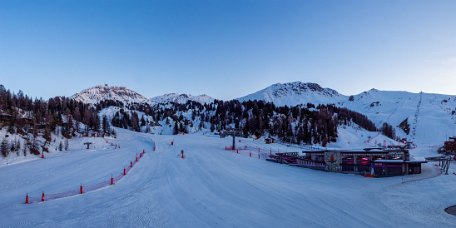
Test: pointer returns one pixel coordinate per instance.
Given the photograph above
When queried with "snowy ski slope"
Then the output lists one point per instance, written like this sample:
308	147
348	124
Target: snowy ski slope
212	187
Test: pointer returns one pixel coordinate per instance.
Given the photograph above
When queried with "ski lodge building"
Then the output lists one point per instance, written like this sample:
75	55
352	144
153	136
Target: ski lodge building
377	162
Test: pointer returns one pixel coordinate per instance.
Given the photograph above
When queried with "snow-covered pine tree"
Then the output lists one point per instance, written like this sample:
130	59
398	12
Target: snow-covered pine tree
105	124
66	144
176	128
24	150
5	147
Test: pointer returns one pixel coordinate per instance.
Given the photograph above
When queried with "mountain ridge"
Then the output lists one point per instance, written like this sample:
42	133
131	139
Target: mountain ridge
96	94
432	116
181	98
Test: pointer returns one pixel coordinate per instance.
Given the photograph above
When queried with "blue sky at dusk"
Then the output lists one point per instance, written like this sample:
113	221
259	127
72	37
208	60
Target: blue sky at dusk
227	49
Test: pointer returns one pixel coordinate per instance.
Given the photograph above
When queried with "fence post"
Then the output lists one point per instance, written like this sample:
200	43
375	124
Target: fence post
237	151
131	164
26	199
136	158
112	180
81	189
125	171
42	197
182	154
250	154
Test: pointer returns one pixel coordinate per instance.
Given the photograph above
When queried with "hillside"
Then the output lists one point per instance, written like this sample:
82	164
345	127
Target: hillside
182	113
431	117
181	99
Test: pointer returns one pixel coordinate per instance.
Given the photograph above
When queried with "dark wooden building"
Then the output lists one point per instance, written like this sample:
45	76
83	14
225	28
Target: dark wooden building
449	147
376	162
5	117
269	140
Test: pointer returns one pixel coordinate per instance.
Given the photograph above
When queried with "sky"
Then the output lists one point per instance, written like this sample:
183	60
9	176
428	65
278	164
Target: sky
227	49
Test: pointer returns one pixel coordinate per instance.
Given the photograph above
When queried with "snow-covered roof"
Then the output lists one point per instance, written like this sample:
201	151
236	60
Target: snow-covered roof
388	161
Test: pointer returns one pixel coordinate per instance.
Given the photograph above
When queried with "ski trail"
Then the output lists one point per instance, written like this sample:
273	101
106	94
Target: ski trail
415	120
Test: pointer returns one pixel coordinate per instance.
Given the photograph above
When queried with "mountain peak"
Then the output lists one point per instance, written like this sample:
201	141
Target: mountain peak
302	88
294	93
99	93
181	98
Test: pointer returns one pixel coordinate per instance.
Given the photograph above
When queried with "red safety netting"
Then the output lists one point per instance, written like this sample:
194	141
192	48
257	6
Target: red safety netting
108	181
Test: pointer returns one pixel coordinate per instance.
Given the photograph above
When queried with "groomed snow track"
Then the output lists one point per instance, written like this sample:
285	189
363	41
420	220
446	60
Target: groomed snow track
86	188
211	187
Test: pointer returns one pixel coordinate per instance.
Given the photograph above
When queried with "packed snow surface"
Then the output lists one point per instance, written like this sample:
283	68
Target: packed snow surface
213	187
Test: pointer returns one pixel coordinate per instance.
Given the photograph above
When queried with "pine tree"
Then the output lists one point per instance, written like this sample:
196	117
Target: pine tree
5	147
113	133
105	124
66	144
135	121
18	144
143	121
212	128
47	135
24	150
182	129
245	129
176	128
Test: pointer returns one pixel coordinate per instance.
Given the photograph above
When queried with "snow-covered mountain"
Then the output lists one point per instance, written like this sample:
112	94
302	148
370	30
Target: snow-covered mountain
296	93
431	117
104	92
181	98
99	93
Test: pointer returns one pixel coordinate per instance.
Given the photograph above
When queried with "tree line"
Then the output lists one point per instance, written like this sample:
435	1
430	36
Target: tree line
30	118
301	124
